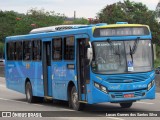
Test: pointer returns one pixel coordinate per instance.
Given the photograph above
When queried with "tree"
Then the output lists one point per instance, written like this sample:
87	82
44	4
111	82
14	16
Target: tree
80	21
37	18
7	23
1	50
131	12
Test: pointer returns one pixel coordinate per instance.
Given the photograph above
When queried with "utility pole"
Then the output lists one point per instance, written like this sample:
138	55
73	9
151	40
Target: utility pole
74	15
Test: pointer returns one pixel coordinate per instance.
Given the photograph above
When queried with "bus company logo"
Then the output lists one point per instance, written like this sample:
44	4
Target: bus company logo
140	86
114	87
6	114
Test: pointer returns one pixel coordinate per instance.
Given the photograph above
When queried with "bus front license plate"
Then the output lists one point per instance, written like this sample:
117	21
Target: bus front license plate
128	95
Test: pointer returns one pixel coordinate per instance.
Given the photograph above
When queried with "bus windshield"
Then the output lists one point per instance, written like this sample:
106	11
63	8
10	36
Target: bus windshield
111	57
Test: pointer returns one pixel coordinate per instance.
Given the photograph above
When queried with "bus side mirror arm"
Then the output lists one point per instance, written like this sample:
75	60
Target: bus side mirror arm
90	53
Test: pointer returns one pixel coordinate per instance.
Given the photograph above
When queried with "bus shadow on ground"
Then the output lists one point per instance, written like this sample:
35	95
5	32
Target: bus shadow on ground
95	109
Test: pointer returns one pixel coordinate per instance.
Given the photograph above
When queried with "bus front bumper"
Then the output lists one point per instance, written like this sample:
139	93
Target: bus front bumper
118	97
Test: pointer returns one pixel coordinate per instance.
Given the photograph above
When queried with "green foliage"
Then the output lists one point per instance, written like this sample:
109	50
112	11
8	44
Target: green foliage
80	21
13	23
111	14
7	23
1	46
157	63
131	12
37	18
1	49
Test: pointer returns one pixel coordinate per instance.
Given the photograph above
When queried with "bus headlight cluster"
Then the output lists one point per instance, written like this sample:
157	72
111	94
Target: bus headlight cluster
150	85
101	87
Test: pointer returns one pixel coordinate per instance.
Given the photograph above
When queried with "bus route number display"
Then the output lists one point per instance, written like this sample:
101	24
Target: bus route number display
129	31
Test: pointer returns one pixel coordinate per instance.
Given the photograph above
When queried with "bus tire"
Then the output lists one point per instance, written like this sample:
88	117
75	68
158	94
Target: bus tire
29	94
76	105
126	105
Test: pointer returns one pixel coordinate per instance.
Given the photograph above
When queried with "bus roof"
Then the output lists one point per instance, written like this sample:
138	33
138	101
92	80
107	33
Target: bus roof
65	28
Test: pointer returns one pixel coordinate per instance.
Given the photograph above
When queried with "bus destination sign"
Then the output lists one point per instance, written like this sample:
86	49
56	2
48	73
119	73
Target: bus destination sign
125	31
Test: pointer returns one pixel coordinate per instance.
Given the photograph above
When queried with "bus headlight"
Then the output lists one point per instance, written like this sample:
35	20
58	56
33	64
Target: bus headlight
97	85
150	85
104	89
101	87
153	81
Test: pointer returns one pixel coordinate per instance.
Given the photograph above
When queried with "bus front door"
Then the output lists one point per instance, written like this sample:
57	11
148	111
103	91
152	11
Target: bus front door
46	61
83	69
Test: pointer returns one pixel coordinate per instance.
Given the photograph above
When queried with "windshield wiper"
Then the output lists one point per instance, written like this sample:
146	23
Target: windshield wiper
134	48
112	46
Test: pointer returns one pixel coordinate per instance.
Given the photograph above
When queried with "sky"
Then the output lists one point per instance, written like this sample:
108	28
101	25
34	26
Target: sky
83	8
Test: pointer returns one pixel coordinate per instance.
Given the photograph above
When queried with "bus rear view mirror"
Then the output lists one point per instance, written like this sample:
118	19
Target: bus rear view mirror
89	54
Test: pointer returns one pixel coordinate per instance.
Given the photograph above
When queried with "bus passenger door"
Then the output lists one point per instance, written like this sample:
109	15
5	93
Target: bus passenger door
46	61
83	68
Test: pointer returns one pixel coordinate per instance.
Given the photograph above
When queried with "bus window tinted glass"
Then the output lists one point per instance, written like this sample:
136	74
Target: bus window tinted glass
11	51
19	50
36	50
57	49
27	45
69	48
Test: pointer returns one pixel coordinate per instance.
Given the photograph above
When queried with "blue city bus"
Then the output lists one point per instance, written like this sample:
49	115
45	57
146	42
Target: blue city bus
82	64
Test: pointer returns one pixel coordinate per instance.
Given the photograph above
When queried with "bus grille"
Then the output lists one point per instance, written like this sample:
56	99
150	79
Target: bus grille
127	79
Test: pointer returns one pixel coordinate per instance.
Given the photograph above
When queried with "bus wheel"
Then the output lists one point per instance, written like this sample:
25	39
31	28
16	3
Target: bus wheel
126	105
29	94
74	100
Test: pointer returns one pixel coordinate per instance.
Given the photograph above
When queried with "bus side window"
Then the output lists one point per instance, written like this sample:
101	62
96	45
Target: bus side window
69	48
19	49
27	48
36	54
11	51
57	49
